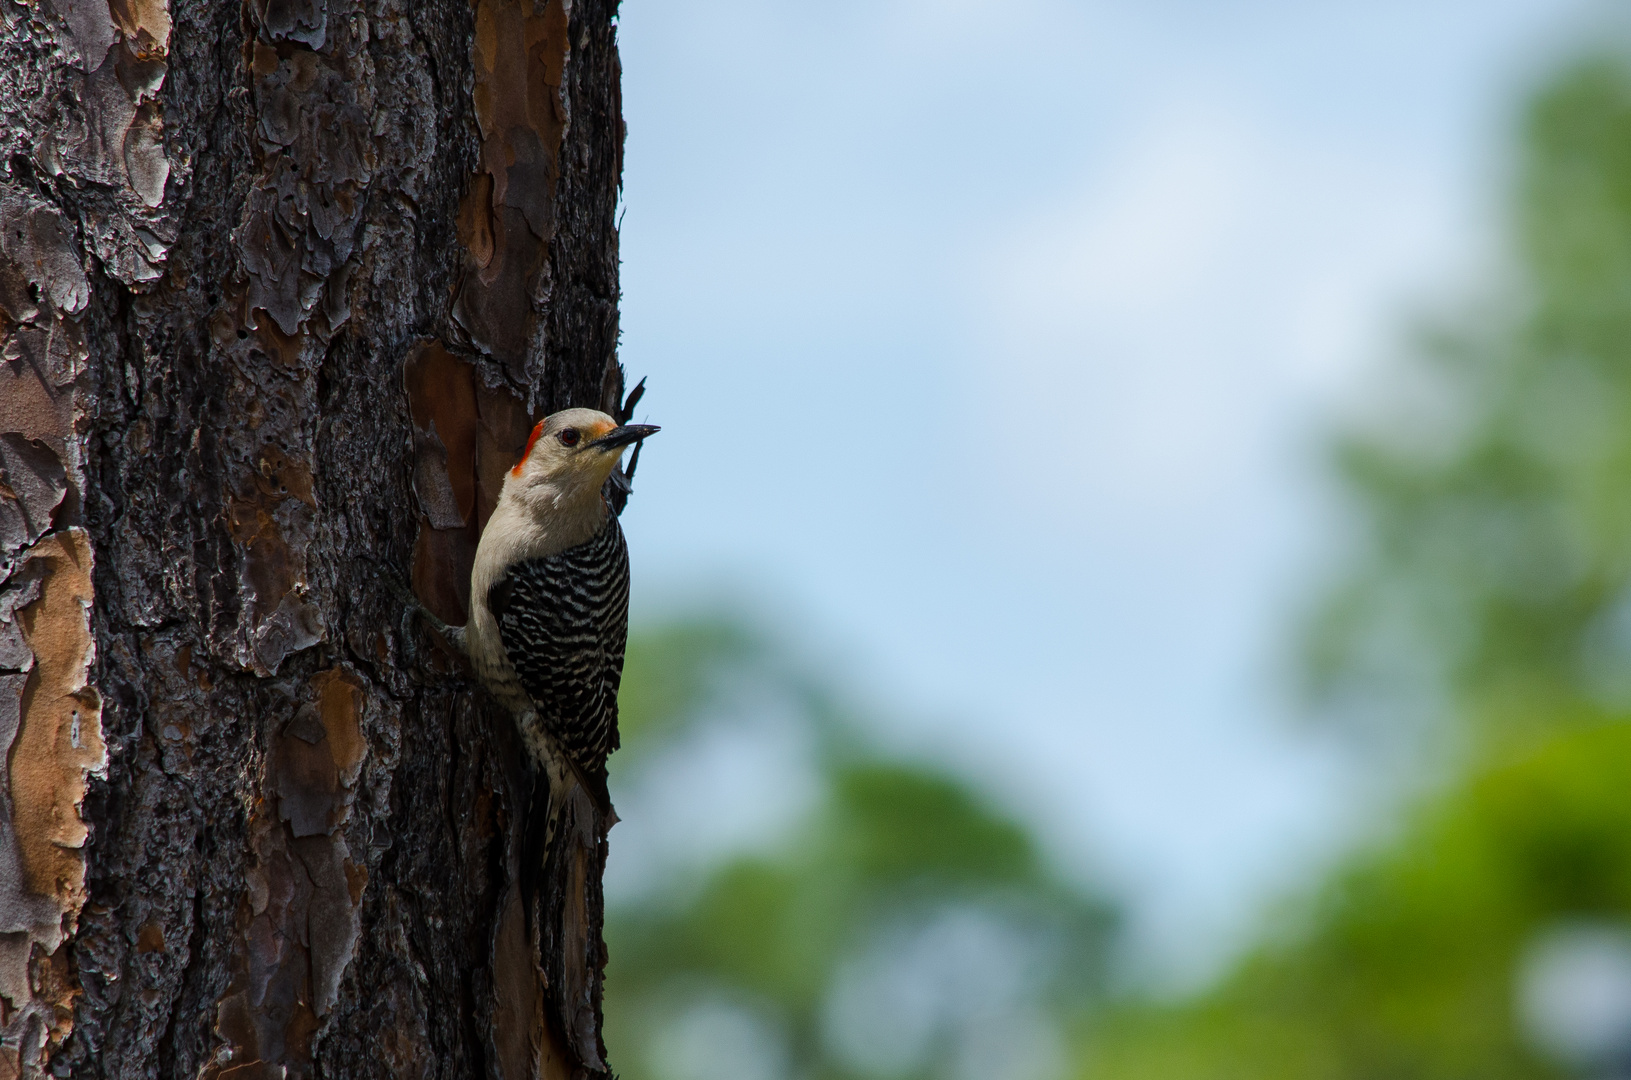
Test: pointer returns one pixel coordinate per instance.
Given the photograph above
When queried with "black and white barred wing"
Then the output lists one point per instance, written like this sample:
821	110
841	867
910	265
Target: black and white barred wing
564	623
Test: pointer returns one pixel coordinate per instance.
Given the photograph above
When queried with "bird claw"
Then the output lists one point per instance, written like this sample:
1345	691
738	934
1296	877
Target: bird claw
410	600
399	589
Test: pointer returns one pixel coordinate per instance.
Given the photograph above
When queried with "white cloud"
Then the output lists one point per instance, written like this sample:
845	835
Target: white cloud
1144	238
1185	309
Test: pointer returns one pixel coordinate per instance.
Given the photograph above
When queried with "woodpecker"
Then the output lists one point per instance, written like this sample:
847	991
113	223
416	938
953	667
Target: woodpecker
549	606
549	594
548	620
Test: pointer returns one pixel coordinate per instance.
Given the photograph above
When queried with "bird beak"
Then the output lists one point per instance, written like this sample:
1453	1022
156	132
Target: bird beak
619	437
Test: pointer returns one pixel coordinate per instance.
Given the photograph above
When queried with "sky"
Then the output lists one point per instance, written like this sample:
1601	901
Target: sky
994	344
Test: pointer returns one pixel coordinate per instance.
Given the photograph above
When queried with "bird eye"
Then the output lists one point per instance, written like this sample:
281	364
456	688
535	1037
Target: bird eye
569	437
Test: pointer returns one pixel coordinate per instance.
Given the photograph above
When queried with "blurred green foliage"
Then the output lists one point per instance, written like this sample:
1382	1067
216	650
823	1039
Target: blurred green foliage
1406	965
1497	504
889	849
1490	601
670	676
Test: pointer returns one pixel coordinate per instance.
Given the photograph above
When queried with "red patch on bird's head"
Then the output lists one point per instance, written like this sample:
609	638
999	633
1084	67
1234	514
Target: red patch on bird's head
532	439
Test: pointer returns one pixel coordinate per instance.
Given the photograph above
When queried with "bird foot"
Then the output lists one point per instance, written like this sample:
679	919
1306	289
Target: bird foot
454	635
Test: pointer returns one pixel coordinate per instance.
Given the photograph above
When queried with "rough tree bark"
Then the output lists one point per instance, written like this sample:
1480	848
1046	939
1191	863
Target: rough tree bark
283	284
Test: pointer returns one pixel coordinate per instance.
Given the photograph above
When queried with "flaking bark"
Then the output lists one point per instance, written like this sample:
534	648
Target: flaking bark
283	283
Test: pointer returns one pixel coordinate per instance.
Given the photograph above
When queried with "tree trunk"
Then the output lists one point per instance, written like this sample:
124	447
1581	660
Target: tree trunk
283	285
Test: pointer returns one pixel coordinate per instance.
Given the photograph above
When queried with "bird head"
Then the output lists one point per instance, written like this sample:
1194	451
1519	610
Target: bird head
571	453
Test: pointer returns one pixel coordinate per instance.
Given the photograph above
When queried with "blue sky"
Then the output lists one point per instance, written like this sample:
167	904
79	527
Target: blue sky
994	343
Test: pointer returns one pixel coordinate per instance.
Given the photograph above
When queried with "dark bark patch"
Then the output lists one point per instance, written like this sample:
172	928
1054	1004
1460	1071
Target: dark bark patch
32	484
523	1039
302	915
37	239
150	938
509	212
32	406
115	138
466	437
442	401
20	590
318	157
571	937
